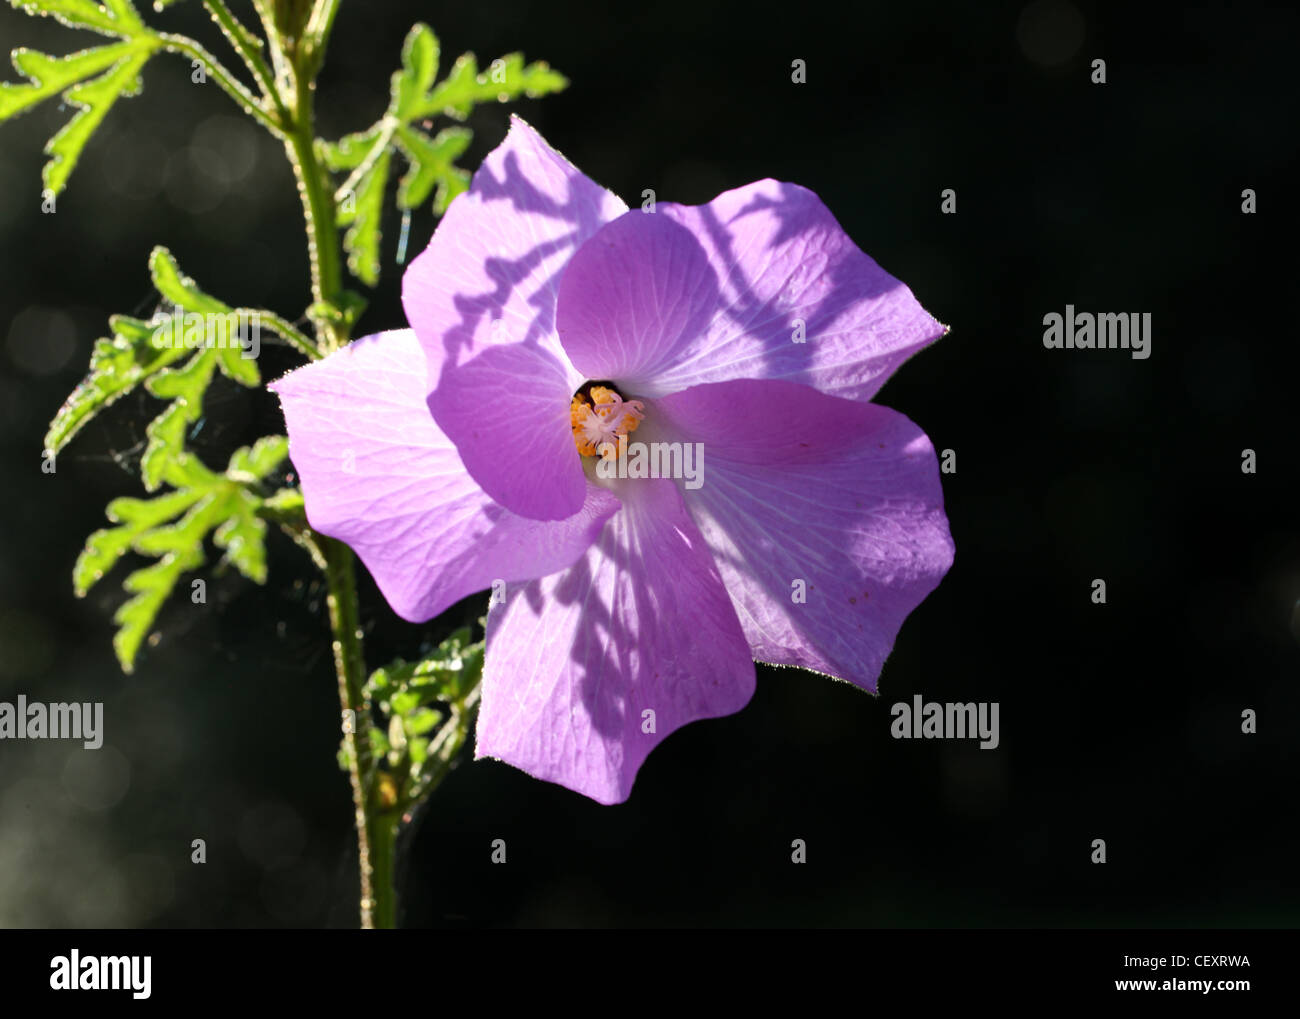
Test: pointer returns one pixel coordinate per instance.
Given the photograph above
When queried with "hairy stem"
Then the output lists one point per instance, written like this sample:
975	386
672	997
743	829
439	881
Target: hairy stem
375	841
317	34
233	87
376	821
318	211
382	833
249	48
287	331
388	126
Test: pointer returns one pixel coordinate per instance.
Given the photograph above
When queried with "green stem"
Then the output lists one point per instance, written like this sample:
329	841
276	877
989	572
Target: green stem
387	127
249	47
372	798
318	211
383	827
375	840
285	330
319	26
233	87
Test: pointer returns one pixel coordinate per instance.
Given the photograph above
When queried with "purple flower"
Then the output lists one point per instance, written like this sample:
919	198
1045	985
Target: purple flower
448	456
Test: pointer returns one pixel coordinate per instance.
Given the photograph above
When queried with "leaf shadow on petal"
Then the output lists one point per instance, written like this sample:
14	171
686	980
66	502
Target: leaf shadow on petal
821	290
605	685
509	273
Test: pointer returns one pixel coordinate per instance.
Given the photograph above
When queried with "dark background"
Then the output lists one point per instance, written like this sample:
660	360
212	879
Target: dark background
1119	721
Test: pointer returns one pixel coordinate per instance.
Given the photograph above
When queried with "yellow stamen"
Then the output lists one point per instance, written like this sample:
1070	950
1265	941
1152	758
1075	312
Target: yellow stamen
601	417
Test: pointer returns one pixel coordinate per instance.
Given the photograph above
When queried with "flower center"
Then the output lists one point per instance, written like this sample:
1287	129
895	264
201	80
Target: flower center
599	414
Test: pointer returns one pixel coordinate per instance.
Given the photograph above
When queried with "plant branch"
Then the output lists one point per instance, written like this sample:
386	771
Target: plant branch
319	215
285	330
374	849
249	48
388	127
373	800
316	37
236	89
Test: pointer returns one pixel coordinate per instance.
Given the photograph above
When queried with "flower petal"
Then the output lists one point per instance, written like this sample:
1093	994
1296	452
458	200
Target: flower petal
641	290
378	474
809	496
487	281
640	624
507	412
772	288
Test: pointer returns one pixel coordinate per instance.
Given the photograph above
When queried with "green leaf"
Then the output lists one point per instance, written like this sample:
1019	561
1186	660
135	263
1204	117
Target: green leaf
427	706
431	172
150	586
363	218
178	288
350	151
175	365
286	507
415	97
117	365
51	75
361	208
404	702
90	81
113	17
164	456
421	721
243	538
411	84
265	456
432	165
506	78
172	527
94	99
104	548
446	674
149	352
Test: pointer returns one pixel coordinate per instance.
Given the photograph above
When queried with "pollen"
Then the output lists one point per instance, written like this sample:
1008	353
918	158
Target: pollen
598	415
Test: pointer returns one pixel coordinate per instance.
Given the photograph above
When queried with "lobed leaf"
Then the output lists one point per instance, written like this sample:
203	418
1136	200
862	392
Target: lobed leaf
431	169
164	456
51	75
94	99
261	459
507	78
148	352
350	151
428	705
104	548
151	586
412	83
446	674
172	528
243	536
117	365
113	17
364	219
90	81
178	288
432	165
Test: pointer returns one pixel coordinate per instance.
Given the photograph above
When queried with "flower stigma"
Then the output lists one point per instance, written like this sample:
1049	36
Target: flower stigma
599	415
